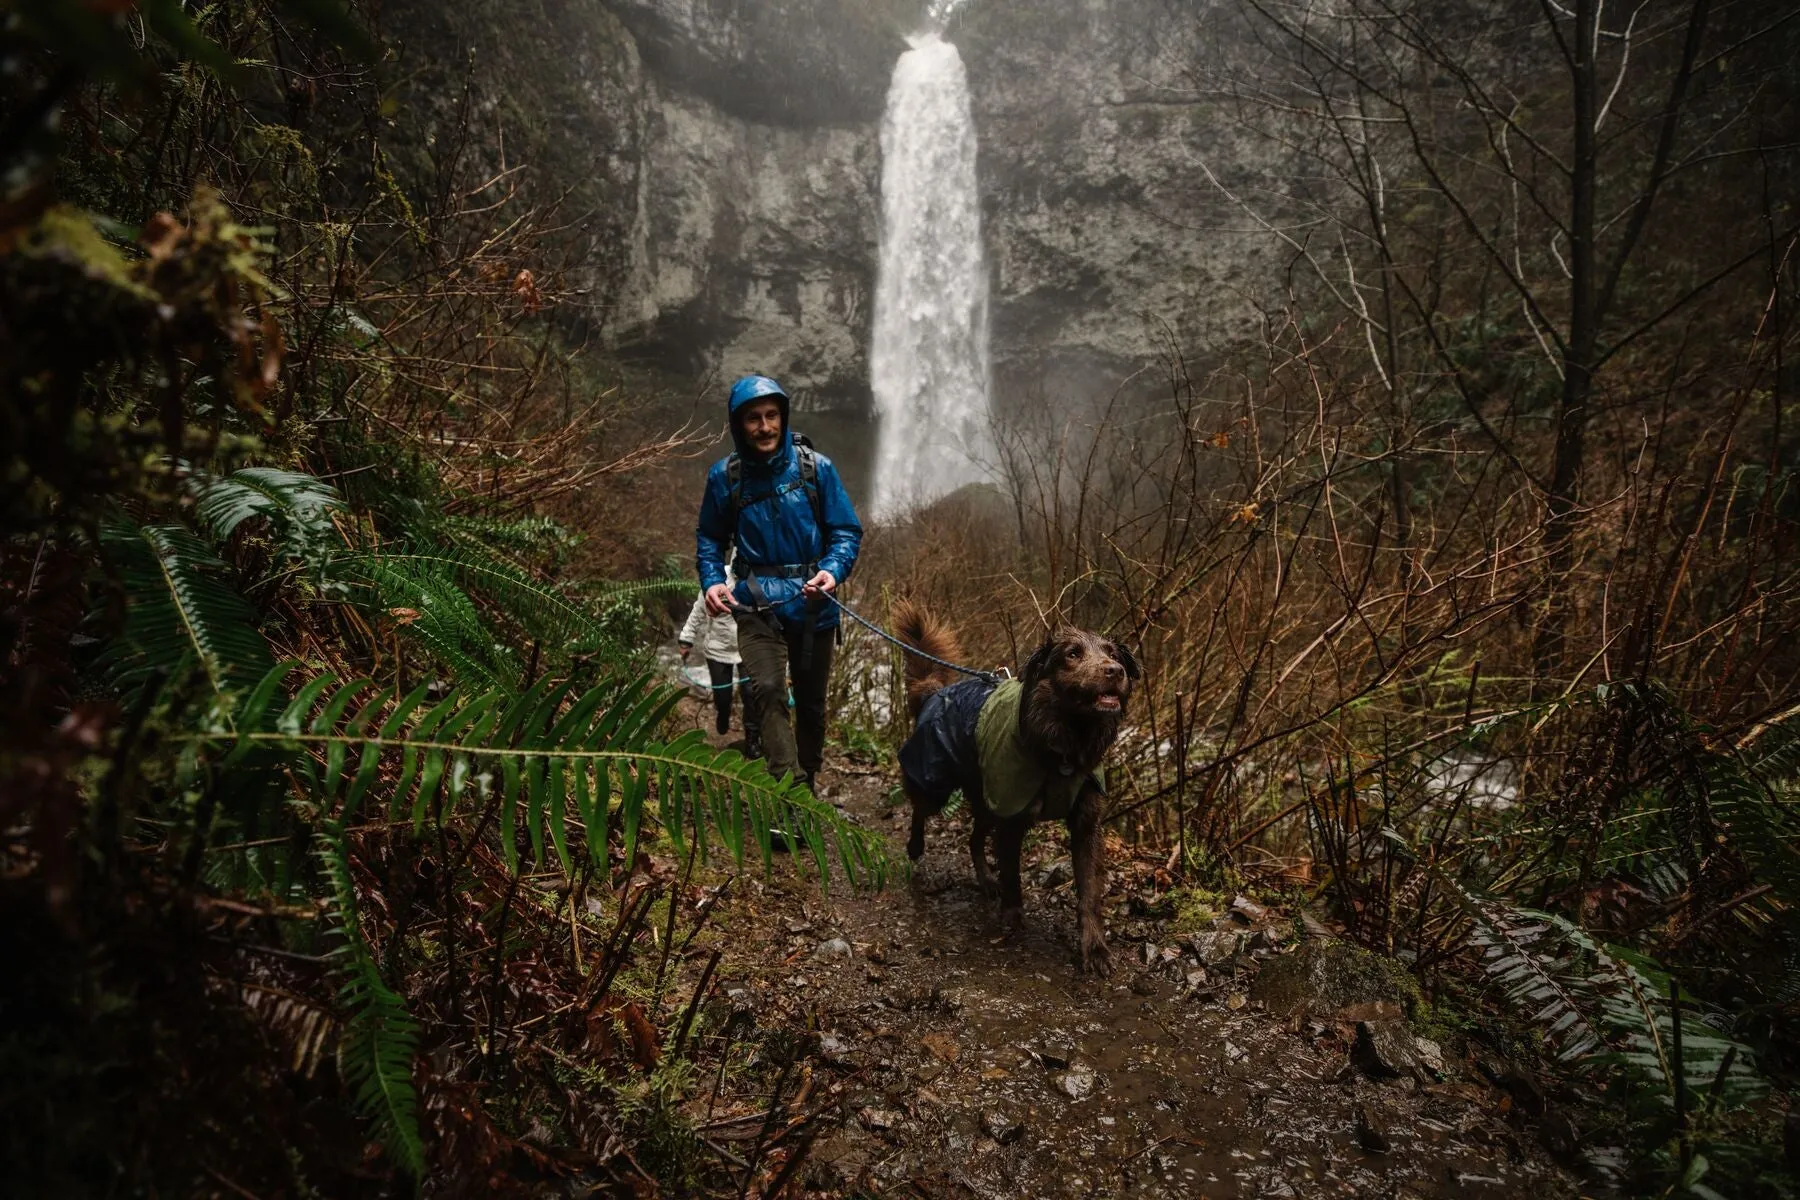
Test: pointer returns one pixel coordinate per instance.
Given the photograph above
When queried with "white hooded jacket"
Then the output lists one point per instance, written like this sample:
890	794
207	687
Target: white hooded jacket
716	637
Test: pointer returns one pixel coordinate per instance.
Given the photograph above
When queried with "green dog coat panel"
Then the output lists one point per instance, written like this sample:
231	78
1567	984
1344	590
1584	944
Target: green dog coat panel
1011	778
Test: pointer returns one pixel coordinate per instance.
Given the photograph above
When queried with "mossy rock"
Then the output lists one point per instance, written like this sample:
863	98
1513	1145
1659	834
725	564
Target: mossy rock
1196	908
1323	978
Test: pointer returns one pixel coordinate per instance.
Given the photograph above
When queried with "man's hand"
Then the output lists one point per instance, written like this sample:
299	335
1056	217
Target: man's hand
685	647
822	582
718	599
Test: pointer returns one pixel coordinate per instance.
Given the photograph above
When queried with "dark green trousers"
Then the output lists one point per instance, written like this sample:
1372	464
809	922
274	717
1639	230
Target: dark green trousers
771	659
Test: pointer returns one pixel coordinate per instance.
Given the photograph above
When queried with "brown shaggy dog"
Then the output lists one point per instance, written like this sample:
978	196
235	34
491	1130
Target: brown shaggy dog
1074	690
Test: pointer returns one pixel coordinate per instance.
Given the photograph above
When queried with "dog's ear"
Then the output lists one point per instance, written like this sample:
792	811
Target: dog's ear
1038	663
1128	661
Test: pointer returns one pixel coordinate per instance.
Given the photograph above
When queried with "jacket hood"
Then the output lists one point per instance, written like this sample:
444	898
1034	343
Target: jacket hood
745	392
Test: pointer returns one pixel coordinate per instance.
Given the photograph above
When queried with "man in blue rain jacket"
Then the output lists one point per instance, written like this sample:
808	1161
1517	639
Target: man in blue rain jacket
778	511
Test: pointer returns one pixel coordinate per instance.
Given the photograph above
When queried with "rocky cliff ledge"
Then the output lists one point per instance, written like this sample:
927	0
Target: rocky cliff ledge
720	163
1109	240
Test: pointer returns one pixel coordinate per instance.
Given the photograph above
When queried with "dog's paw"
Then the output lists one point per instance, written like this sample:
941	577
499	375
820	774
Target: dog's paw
1012	918
915	845
987	885
1096	956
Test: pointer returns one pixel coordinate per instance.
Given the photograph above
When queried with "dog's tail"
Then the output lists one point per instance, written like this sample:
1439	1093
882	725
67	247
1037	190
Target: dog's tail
922	631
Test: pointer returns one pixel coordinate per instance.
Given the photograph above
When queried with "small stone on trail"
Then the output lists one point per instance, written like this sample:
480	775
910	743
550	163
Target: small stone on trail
1431	1055
1234	1052
1057	1058
878	1118
1249	911
1001	1128
1370	1133
1056	874
833	1047
1077	1083
1196	978
835	950
1213	948
1384	1050
1150	953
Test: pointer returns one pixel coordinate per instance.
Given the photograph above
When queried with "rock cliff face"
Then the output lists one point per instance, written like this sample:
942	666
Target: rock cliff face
721	167
717	162
1109	239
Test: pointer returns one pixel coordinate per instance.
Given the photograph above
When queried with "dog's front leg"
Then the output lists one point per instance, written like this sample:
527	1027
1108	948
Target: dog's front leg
915	845
980	825
1009	840
1090	882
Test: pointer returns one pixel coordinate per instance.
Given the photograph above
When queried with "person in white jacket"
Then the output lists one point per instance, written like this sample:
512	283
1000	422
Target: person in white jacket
717	639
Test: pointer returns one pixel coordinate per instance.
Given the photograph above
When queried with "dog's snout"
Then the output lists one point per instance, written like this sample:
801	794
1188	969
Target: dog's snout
1115	672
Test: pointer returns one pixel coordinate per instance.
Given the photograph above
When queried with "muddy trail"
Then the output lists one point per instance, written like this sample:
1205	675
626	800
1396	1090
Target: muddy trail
970	1062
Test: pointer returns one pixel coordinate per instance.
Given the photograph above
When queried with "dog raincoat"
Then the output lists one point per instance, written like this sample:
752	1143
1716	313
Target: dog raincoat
967	737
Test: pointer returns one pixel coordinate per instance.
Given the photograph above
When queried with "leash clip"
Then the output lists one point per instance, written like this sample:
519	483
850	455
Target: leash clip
1004	673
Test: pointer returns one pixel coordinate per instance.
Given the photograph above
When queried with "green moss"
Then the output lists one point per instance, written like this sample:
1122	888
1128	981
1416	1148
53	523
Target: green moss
1322	977
1196	908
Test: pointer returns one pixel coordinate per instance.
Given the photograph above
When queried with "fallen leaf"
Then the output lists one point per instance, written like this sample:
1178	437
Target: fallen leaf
995	1073
644	1047
942	1046
1235	1001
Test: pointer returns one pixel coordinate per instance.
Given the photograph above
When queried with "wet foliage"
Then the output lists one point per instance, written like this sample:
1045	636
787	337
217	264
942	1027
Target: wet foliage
350	842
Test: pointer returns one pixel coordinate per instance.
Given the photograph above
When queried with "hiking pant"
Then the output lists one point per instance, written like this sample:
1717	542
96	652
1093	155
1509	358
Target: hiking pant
721	673
771	658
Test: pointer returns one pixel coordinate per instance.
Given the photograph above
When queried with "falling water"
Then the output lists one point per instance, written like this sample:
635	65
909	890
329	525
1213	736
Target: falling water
929	363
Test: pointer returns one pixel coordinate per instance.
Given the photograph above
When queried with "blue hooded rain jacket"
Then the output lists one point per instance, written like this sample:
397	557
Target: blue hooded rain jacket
776	532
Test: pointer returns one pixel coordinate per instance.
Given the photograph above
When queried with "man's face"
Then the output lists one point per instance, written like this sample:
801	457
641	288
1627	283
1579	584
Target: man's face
760	422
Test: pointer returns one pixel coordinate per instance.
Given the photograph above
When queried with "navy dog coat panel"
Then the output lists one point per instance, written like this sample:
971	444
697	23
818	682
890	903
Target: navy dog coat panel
941	756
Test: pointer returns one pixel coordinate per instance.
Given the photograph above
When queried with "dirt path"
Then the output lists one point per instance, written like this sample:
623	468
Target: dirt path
984	1065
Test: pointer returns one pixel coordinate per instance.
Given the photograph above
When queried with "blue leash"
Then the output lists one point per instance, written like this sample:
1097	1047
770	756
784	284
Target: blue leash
878	631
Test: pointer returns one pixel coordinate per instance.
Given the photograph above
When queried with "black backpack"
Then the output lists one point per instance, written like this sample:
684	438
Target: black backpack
809	479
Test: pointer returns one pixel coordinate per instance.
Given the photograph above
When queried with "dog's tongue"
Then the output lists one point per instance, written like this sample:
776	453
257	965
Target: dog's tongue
1108	702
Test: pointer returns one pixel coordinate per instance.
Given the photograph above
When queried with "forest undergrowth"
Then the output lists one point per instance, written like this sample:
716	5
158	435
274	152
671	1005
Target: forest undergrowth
330	774
331	748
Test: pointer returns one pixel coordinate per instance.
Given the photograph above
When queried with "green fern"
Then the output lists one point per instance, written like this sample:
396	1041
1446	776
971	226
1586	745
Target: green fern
550	760
298	506
1522	952
538	536
1603	1006
436	612
537	607
380	1038
180	613
1694	789
443	587
1632	995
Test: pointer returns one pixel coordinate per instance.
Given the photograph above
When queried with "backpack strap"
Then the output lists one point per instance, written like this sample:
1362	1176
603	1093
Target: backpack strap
808	459
809	479
734	480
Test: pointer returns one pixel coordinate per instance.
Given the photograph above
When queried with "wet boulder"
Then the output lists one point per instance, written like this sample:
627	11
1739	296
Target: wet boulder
1335	980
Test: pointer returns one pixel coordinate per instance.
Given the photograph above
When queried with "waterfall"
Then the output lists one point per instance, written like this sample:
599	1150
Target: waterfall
929	363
